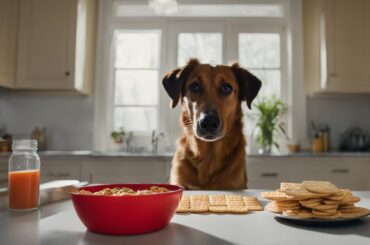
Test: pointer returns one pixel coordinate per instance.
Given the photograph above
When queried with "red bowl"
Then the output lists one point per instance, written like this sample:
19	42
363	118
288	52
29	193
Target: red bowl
126	215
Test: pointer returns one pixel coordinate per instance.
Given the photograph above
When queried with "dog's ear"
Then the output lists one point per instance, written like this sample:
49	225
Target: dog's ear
173	82
249	85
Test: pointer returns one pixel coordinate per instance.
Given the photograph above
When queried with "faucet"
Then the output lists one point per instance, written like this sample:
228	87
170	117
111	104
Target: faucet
128	141
155	139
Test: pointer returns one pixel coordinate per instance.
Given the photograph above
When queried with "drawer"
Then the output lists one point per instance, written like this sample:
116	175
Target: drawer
343	174
268	172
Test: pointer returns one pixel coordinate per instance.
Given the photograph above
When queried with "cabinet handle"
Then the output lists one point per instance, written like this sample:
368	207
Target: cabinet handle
67	73
269	175
333	74
340	171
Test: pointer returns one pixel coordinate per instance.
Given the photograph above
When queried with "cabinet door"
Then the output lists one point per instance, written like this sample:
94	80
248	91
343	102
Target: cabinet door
47	30
8	34
347	44
269	172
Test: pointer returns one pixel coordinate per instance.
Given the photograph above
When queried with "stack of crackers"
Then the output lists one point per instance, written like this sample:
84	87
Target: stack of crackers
314	199
235	204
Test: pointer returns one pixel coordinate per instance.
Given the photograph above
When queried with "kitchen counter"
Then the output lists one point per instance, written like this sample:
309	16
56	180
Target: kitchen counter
58	224
169	155
96	154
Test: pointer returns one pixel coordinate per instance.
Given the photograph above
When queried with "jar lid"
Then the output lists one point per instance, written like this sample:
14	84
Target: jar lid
24	144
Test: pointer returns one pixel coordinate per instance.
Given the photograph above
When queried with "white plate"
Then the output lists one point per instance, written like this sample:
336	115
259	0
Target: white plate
317	221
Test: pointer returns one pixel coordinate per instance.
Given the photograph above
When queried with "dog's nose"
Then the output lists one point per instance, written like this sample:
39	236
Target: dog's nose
209	123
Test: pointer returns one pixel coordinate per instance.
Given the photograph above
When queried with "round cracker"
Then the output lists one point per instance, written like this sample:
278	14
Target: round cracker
359	213
335	197
300	193
326	206
312	200
334	216
291	212
305	214
324	187
310	205
286	204
324	213
330	202
346	206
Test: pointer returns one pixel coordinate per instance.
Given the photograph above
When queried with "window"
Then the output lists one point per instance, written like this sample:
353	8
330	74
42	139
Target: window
207	47
139	45
260	53
136	77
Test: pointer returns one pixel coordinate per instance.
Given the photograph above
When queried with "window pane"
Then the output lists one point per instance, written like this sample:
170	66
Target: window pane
259	50
143	119
207	47
138	87
137	49
271	82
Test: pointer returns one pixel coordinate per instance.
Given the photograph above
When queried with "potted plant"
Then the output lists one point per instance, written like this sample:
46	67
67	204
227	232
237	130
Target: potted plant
118	135
268	120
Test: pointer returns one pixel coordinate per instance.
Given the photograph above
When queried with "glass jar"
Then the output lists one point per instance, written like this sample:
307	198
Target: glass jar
24	176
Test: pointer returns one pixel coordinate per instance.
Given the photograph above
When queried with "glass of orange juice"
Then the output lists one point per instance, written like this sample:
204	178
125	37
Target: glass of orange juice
24	176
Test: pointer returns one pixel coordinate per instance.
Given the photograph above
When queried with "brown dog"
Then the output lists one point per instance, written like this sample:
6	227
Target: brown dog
211	152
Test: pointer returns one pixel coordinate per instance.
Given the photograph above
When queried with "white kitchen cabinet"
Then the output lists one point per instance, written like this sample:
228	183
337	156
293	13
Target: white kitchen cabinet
125	170
345	172
60	170
269	172
336	46
8	43
56	45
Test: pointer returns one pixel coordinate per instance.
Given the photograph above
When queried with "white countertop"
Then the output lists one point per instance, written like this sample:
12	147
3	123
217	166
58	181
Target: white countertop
58	224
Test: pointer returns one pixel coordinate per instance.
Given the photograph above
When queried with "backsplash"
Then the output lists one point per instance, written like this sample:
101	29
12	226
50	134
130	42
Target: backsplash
340	112
67	118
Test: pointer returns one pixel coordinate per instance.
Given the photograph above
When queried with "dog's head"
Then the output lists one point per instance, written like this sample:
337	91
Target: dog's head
211	95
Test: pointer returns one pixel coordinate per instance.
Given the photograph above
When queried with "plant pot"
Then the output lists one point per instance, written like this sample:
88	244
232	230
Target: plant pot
265	150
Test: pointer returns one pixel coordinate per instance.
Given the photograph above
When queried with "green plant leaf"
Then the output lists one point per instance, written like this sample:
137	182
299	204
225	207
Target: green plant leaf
268	120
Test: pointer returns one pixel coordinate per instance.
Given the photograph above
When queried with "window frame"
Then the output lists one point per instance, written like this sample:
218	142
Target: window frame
293	64
113	106
104	90
278	28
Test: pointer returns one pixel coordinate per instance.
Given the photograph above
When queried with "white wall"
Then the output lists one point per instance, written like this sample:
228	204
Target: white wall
340	112
67	118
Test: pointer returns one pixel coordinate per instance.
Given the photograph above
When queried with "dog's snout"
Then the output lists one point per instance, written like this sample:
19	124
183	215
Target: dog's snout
209	123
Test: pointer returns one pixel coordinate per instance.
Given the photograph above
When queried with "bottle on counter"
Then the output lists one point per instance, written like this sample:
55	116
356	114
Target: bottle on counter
40	135
318	143
326	138
24	176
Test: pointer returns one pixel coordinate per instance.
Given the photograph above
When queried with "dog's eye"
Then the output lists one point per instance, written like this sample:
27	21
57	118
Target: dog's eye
195	87
226	88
